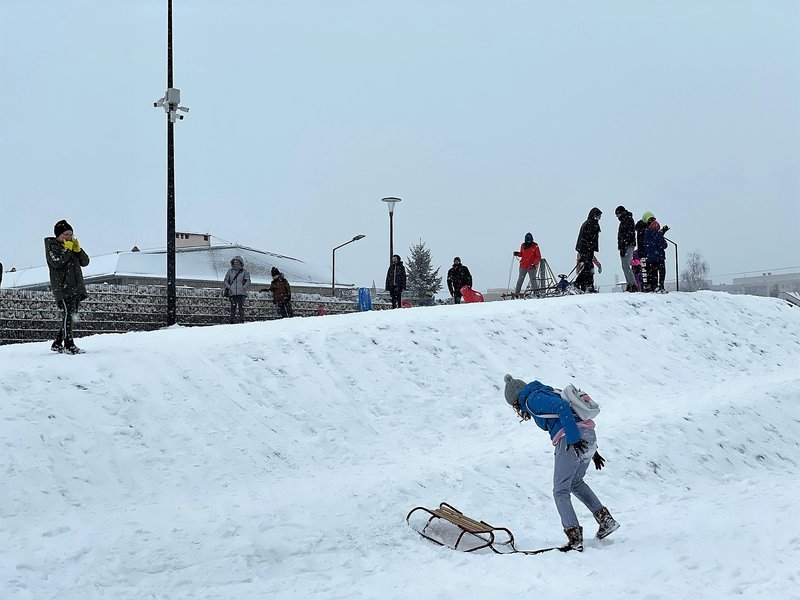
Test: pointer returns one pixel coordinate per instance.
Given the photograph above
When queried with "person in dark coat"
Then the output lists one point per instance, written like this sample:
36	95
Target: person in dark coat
655	244
626	244
588	243
1	273
65	258
281	294
236	283
641	227
457	277
396	280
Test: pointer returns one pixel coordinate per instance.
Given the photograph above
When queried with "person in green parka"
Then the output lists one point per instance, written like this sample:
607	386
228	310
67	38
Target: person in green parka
65	258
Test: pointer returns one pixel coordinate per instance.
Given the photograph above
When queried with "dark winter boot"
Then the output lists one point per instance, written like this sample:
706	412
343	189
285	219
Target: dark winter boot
57	347
73	349
606	521
575	537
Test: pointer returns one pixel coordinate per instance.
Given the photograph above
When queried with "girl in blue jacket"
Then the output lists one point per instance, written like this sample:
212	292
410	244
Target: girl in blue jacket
575	445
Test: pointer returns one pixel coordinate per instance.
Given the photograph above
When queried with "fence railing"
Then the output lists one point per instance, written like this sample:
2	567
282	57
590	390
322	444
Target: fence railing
29	316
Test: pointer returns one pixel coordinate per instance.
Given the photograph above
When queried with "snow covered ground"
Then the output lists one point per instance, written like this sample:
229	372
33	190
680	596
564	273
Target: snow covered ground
279	459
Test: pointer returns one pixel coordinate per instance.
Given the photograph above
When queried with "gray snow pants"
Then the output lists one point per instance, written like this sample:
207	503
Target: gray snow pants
626	265
568	475
533	277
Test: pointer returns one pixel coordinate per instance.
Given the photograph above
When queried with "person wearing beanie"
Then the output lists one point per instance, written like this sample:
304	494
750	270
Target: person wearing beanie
457	277
235	284
281	294
588	243
530	256
575	444
65	259
626	244
396	280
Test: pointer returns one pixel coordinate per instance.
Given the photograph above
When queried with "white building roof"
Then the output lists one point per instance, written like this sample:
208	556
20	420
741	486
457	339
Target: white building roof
202	263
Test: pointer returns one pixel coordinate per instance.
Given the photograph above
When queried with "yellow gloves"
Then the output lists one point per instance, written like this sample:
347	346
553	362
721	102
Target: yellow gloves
72	245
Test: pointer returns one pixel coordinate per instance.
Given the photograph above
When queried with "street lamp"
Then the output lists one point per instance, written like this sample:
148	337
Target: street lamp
391	202
171	105
333	262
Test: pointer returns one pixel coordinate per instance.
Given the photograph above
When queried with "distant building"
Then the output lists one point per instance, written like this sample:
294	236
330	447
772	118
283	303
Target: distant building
196	266
191	240
765	284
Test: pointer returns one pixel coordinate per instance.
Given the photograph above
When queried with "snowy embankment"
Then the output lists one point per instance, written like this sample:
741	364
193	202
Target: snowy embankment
279	459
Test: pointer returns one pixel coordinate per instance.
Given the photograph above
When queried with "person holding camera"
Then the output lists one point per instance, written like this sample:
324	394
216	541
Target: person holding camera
65	259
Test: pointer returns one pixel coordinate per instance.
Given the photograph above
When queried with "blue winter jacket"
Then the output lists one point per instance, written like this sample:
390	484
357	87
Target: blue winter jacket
654	244
537	398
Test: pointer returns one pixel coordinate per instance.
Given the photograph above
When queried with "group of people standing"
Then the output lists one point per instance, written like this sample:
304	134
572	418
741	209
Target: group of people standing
642	244
237	282
639	244
66	258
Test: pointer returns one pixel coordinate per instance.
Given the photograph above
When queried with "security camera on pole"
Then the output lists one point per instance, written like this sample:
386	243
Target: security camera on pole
171	105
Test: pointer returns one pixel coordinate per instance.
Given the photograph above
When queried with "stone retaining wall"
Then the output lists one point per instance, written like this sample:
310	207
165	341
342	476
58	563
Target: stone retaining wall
29	316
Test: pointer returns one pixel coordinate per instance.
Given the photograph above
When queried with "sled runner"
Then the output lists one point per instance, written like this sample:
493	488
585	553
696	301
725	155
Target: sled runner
480	534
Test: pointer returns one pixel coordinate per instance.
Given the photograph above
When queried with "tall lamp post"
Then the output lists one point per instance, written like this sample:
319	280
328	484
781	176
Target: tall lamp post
391	202
677	279
171	105
333	262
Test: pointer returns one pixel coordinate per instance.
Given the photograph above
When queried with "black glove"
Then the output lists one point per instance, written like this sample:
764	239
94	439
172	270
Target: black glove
599	461
579	446
665	229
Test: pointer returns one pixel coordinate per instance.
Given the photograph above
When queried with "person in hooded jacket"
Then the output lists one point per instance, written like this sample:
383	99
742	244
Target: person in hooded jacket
587	244
236	284
281	293
575	445
396	280
65	259
626	244
529	256
457	277
655	245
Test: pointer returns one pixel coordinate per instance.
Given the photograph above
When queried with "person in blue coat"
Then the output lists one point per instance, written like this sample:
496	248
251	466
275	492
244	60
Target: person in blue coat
655	245
575	445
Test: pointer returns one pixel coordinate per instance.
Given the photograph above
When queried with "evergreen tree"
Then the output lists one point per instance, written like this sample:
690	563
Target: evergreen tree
423	281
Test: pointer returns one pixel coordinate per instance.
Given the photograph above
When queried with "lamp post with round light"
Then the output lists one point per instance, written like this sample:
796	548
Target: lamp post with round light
391	201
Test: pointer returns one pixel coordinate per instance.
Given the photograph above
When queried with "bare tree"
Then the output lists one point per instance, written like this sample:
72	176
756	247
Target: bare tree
695	273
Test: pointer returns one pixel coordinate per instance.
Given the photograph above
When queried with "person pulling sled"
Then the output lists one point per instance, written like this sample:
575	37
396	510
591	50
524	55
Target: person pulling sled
575	446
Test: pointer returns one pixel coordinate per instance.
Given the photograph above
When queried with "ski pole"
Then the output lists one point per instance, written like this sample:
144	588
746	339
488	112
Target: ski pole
510	270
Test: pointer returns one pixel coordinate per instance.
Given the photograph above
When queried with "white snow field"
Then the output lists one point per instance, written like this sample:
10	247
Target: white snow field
279	459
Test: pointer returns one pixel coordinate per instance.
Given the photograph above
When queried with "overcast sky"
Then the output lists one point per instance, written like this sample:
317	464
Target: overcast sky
488	119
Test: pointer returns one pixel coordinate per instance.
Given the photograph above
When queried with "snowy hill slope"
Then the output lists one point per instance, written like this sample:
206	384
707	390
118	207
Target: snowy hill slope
279	459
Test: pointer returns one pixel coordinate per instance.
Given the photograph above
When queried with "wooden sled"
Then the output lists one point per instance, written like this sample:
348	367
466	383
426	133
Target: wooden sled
480	533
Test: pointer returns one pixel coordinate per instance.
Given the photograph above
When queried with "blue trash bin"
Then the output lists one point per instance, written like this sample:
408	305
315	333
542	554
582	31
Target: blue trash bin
364	299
